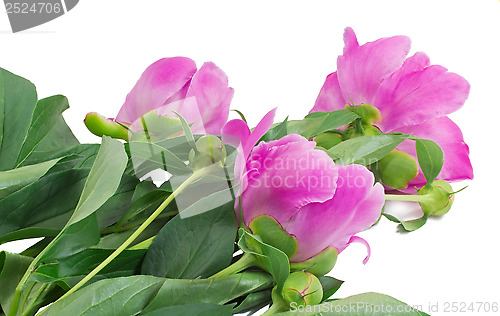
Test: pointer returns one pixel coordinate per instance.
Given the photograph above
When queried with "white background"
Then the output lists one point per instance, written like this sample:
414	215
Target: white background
278	53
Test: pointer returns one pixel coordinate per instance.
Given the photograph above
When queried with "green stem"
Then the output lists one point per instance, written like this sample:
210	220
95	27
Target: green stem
195	176
119	228
408	198
274	309
247	260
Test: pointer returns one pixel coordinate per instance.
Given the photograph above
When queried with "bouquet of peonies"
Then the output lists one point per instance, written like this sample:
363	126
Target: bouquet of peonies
180	212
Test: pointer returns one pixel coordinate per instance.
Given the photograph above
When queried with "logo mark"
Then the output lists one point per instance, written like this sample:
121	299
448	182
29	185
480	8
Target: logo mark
26	14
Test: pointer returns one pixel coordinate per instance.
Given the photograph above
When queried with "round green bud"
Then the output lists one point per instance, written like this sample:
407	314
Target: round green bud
327	140
302	288
397	169
209	150
368	113
438	198
320	264
101	126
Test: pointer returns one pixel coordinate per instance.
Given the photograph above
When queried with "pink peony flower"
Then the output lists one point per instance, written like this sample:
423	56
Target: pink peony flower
413	97
319	203
174	84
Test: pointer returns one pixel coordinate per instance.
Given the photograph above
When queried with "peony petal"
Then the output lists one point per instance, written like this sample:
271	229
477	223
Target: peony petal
330	97
264	125
209	87
159	82
285	175
360	240
356	206
448	136
235	133
417	93
361	69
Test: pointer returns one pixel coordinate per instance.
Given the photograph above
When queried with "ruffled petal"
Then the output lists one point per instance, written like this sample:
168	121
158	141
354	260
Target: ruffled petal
361	69
356	206
159	82
448	136
264	125
209	87
417	93
330	97
285	175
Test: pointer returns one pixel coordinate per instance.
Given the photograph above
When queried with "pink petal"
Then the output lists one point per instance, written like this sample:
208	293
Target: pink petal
330	97
356	206
448	136
209	87
264	125
235	133
159	82
285	175
361	69
356	239
417	93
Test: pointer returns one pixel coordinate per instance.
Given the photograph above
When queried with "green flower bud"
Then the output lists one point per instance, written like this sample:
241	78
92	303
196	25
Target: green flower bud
302	288
438	198
397	169
327	140
100	126
368	113
318	265
210	150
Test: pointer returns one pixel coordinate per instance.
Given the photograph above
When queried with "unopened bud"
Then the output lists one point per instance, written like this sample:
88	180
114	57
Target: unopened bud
327	140
302	288
320	264
209	150
368	113
397	169
101	126
439	198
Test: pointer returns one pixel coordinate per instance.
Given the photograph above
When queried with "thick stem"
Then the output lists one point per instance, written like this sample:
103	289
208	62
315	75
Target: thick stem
247	260
408	198
275	308
196	175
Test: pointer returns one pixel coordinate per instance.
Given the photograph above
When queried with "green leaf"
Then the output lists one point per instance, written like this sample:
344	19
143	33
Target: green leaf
366	304
196	246
187	131
254	301
47	114
318	122
12	268
13	180
18	99
211	291
330	286
410	225
151	156
104	178
365	150
30	130
118	296
430	158
270	258
82	263
276	132
193	310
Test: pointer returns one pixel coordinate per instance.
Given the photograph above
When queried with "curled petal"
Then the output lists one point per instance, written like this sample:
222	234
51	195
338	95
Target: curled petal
356	206
361	69
284	175
363	242
159	82
448	136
